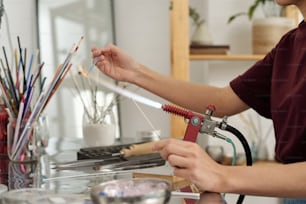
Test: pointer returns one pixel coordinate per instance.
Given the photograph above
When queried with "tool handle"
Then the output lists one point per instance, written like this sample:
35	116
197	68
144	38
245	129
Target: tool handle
138	149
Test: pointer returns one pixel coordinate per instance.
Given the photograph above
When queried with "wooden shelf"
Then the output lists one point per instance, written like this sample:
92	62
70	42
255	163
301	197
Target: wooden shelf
225	57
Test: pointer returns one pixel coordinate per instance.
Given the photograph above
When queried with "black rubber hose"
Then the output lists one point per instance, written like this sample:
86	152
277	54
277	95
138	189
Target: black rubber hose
246	148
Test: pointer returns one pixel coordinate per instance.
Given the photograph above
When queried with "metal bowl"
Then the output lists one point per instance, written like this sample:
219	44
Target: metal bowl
136	191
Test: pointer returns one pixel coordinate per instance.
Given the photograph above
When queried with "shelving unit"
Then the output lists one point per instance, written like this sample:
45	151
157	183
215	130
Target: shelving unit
180	56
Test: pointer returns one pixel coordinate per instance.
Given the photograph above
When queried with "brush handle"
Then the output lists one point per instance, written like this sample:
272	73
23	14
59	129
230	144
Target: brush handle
138	149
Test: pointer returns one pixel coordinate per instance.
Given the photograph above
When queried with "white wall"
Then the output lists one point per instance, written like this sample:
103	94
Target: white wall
22	22
142	29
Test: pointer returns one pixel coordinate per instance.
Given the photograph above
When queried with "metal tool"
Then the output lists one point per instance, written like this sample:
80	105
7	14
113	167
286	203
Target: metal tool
205	124
130	166
188	195
139	160
82	163
119	158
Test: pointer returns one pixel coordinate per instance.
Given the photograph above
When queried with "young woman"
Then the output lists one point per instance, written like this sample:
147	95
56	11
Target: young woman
275	87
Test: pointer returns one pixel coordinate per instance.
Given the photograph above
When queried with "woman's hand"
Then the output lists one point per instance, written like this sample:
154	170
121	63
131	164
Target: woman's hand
115	63
191	162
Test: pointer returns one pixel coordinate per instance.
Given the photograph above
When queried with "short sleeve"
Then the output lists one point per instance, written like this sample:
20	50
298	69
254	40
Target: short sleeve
254	86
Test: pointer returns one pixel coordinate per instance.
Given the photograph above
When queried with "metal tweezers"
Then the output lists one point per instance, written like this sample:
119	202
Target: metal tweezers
82	163
132	164
112	163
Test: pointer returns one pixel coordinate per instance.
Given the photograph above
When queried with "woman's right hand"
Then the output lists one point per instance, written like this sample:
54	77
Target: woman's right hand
115	63
192	163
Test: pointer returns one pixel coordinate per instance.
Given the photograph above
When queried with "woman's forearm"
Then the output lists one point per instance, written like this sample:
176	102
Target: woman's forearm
266	180
189	95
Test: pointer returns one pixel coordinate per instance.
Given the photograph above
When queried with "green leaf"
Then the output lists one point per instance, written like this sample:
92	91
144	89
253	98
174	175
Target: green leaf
195	16
251	10
233	17
254	7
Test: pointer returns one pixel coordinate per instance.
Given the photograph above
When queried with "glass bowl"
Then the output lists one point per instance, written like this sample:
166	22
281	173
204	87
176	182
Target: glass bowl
136	191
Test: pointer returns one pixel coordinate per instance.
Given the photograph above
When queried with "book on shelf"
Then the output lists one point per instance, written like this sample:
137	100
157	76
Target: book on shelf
209	49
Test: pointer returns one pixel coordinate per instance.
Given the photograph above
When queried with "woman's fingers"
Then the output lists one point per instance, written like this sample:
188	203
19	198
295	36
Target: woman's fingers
178	161
97	52
174	147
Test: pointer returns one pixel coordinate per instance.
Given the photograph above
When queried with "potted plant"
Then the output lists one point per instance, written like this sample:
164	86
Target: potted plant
201	34
267	30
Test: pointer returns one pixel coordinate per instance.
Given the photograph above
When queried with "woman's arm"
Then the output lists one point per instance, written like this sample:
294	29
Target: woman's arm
191	162
116	64
277	180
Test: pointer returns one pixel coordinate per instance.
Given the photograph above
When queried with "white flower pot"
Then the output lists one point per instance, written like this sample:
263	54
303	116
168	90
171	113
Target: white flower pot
99	128
99	134
201	35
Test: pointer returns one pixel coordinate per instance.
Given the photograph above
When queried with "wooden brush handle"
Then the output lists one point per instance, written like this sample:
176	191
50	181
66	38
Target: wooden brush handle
138	149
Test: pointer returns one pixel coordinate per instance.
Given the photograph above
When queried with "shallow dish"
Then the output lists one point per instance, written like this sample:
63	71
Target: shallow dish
136	191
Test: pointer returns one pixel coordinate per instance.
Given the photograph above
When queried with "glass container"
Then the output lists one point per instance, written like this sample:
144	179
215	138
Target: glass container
22	145
136	191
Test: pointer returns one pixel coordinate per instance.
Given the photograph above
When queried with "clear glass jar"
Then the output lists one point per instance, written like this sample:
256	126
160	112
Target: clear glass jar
24	175
42	130
3	145
22	147
3	130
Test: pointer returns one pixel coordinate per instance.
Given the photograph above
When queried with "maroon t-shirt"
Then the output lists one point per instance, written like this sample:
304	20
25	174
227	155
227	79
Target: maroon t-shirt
275	87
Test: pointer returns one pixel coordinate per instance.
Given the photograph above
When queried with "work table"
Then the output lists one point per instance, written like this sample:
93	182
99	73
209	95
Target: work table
75	181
